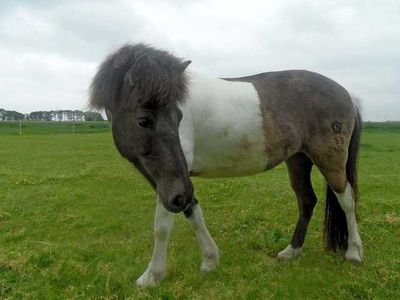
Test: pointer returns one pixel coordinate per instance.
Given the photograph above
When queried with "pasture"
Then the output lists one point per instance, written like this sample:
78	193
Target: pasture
76	221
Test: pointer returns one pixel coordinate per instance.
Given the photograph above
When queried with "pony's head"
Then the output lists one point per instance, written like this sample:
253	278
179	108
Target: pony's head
140	89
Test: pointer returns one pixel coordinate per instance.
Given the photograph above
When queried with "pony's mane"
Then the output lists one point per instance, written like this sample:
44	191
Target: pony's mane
156	77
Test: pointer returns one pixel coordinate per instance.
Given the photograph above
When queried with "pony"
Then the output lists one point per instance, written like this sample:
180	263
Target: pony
172	123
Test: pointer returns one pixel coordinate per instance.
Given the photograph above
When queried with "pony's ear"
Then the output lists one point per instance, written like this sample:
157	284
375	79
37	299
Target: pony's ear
129	77
182	67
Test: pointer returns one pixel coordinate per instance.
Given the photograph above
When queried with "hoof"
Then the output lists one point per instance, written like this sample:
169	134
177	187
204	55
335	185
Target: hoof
209	263
354	254
150	279
288	253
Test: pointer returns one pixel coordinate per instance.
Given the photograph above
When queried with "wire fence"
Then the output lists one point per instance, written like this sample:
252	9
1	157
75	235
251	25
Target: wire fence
52	127
70	127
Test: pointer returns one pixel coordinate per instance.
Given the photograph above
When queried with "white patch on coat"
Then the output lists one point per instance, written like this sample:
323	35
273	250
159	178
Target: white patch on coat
221	130
355	250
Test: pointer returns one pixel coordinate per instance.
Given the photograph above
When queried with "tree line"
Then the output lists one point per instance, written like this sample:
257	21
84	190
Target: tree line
53	115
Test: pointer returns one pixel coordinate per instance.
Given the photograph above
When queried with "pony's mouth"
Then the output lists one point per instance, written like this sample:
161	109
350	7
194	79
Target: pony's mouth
173	210
186	207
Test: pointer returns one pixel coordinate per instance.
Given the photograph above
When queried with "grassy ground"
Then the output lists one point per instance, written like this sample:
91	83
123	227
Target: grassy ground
76	222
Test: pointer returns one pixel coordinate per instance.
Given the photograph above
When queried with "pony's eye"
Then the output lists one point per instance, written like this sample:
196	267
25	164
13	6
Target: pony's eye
145	123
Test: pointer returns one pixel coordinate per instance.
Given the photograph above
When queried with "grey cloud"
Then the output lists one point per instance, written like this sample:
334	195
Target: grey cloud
50	50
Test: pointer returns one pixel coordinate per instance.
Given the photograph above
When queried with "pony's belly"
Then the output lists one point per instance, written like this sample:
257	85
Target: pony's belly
246	157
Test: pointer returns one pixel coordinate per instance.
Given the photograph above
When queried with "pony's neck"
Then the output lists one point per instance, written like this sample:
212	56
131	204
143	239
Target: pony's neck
210	97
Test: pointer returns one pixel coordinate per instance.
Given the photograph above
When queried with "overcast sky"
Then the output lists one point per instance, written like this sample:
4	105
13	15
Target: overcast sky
49	50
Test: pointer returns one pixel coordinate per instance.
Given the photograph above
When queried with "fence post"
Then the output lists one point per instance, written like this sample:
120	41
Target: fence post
20	127
73	127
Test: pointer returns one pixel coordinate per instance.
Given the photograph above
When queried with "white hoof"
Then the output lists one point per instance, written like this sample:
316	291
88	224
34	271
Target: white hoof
289	253
150	278
210	262
354	253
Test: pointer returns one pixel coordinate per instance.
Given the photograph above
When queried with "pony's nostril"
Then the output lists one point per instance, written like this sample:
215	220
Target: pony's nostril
177	202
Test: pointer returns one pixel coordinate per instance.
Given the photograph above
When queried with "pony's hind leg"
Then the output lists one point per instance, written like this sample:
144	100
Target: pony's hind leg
354	250
341	224
156	270
299	169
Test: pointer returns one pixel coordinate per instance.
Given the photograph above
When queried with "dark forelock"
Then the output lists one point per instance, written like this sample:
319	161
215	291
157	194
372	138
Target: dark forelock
155	76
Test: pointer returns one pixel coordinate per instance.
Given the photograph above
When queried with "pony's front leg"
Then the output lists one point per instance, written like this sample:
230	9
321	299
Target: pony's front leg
157	268
208	247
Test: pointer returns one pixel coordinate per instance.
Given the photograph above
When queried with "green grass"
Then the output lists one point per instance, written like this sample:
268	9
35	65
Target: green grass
76	222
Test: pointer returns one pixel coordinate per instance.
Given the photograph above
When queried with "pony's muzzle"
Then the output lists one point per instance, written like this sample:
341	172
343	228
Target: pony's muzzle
179	203
176	194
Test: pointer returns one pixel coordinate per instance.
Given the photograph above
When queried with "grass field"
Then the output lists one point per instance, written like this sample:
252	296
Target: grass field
76	222
39	128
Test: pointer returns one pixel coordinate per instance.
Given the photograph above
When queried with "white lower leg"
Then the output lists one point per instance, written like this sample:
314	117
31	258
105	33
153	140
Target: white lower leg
208	247
346	199
156	270
289	253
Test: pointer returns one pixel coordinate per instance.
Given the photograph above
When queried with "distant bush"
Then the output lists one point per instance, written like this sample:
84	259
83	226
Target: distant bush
93	116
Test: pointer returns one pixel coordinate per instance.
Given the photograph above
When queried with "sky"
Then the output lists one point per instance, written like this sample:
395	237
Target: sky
50	50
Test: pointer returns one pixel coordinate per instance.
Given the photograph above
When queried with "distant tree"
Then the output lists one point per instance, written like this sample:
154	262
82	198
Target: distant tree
79	115
46	116
33	116
2	114
40	116
53	115
14	115
10	115
93	116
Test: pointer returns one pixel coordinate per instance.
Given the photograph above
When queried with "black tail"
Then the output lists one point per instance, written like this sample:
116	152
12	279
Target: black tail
335	220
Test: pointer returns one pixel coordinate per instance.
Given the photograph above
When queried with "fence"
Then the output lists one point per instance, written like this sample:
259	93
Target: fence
54	127
57	127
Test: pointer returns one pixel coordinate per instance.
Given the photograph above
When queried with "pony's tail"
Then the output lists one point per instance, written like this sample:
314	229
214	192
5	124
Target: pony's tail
336	233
